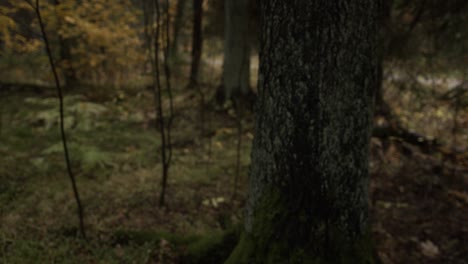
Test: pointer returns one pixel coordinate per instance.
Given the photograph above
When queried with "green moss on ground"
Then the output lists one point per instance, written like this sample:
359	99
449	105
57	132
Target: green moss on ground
214	247
125	237
116	160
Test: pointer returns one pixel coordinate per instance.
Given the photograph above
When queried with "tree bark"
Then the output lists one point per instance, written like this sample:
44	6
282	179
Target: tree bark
178	23
309	175
197	41
381	106
66	60
236	70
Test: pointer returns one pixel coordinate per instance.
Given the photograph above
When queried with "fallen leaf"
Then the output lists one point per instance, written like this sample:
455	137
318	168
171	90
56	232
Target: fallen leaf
459	195
429	249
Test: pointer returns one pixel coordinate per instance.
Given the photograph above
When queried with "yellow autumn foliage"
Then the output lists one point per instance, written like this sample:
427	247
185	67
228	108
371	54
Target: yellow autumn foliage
101	36
9	30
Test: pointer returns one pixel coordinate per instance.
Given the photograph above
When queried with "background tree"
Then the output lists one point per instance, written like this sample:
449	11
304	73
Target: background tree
37	9
308	182
177	28
18	40
99	42
197	41
66	44
422	47
236	66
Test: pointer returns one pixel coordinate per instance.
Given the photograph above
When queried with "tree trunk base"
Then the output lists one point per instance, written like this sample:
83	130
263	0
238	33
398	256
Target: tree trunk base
248	251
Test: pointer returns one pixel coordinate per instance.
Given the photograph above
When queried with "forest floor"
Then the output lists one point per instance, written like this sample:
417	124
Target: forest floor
418	202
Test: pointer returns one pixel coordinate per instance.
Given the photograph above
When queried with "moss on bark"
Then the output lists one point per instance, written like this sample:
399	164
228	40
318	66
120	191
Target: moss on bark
273	240
247	252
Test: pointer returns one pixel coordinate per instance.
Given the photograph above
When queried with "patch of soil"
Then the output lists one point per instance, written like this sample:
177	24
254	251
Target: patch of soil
419	211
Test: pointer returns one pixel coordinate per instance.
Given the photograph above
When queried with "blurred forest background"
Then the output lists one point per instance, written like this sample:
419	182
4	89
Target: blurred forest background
158	110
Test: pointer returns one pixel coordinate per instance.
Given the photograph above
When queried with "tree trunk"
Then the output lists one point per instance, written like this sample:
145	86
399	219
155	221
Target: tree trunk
309	176
69	72
178	23
197	41
236	70
381	107
66	62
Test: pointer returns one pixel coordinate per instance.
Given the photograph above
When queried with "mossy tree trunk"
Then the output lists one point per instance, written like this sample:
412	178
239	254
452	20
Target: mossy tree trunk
309	176
236	65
